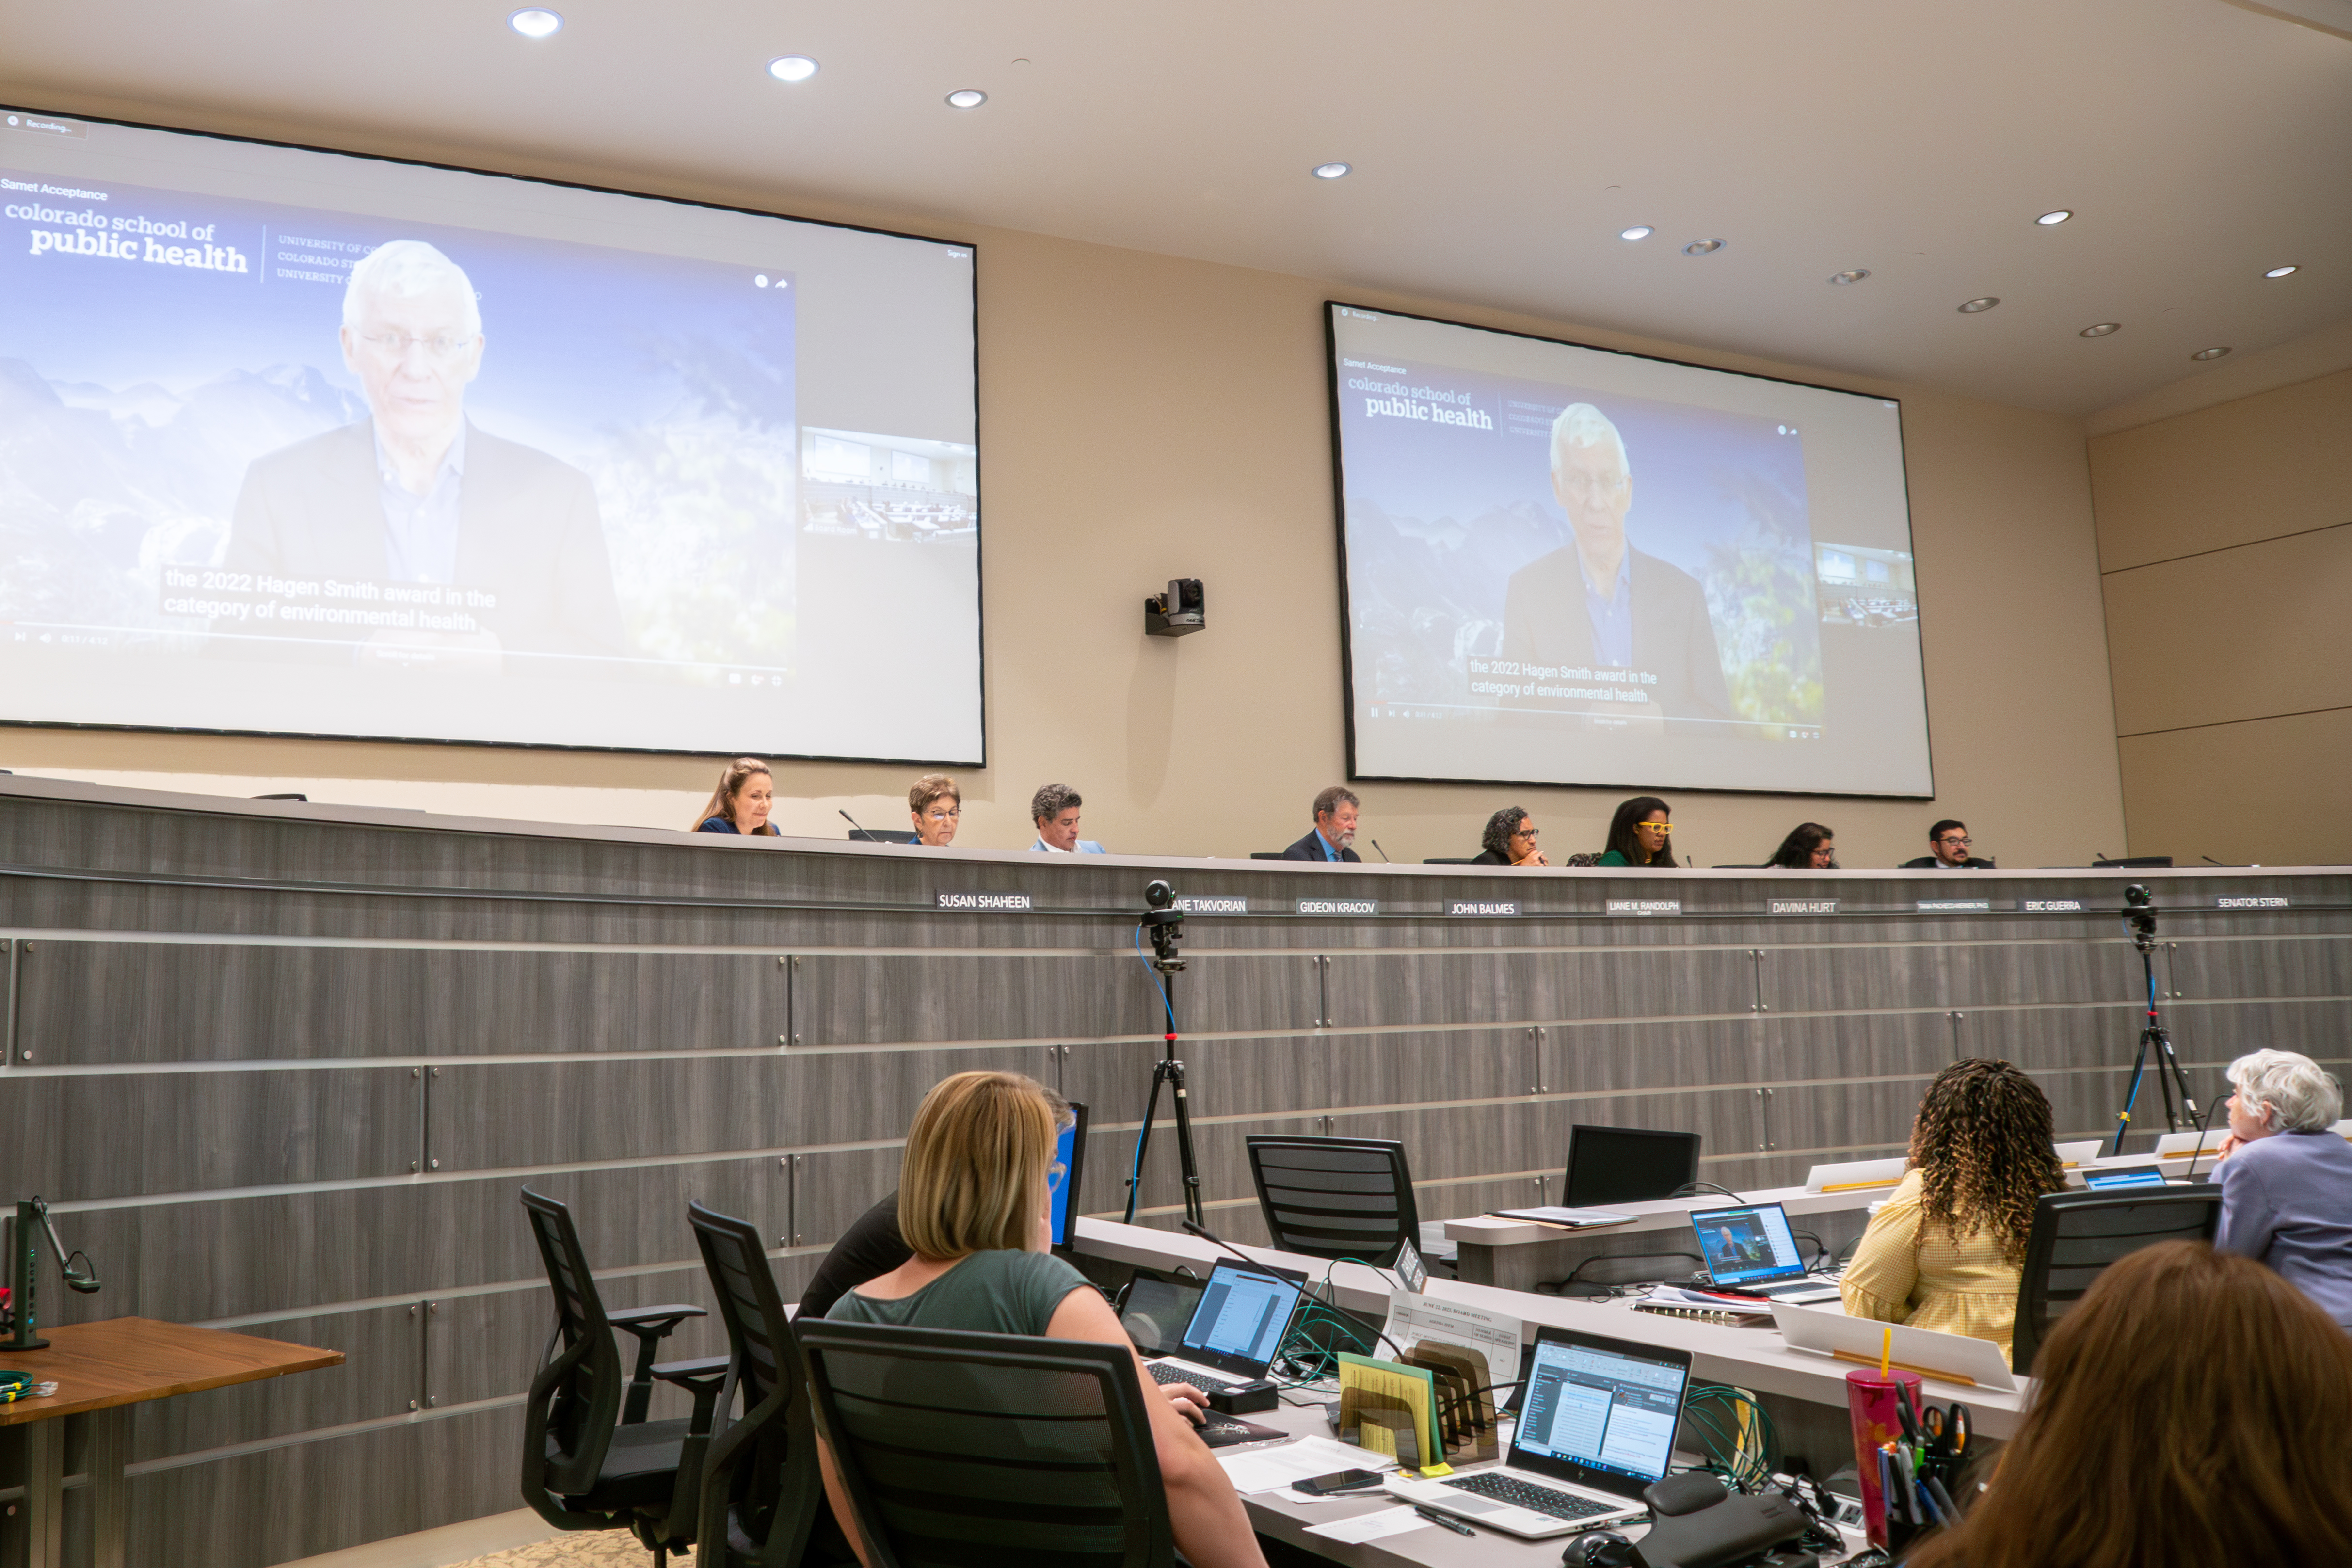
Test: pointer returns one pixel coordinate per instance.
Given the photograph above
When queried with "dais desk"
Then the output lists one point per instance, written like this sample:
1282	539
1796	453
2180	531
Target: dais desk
102	1370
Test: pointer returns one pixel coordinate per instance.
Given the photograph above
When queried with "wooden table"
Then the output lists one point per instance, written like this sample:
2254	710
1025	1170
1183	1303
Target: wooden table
103	1370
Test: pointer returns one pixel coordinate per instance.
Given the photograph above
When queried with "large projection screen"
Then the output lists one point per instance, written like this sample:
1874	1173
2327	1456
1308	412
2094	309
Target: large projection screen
1567	566
293	442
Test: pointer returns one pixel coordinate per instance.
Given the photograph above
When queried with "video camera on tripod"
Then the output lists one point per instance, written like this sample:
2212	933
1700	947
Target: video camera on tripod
1164	921
2139	919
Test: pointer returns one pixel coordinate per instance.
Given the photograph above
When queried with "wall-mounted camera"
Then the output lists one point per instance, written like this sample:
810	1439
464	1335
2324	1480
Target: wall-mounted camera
1182	609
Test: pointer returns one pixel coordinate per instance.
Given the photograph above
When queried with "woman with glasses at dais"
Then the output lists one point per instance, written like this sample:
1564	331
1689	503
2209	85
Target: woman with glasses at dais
1640	834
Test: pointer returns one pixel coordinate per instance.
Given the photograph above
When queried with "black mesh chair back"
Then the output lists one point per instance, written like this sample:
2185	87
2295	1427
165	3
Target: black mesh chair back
762	1490
2076	1235
575	1399
968	1450
1335	1198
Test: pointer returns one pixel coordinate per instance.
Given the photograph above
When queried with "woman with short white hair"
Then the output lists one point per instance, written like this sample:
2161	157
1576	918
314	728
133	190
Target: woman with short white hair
2286	1176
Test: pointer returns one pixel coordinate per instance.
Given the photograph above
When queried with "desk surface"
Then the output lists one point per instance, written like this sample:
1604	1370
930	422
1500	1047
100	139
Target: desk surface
1432	1546
1491	1230
127	1361
1754	1358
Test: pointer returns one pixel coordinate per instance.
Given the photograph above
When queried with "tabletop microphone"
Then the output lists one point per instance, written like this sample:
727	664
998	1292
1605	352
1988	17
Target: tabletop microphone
1376	844
861	833
1213	1239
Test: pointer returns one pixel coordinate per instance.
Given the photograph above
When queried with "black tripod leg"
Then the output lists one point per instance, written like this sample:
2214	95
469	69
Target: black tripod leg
1185	1162
1143	1138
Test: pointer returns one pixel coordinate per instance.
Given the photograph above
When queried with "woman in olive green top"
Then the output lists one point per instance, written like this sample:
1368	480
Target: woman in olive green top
973	1204
1640	834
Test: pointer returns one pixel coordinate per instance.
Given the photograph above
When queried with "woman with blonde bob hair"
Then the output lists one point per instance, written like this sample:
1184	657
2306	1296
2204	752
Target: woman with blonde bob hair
973	1204
2189	1412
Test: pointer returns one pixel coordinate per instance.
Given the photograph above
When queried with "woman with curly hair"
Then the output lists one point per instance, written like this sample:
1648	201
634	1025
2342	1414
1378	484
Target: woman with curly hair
1945	1250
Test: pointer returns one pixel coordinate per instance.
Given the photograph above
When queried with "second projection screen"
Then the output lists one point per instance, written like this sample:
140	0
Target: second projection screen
1567	566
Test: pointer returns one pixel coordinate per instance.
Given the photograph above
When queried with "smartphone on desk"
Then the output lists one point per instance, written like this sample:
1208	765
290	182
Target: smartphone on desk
1338	1481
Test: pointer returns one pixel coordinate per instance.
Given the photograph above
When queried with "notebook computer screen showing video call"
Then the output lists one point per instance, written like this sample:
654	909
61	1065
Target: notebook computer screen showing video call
1608	1412
1747	1246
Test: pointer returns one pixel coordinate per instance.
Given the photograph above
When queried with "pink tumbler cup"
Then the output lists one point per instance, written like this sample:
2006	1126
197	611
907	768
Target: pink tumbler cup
1870	1403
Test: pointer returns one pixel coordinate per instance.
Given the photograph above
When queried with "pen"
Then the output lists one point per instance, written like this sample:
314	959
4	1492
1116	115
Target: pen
1456	1525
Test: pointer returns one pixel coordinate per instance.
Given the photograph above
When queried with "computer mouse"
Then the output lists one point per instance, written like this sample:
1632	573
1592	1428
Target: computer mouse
1602	1548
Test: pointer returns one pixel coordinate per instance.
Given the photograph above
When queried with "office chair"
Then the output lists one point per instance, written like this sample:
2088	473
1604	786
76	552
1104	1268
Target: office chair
591	1460
989	1449
1335	1198
2076	1235
762	1490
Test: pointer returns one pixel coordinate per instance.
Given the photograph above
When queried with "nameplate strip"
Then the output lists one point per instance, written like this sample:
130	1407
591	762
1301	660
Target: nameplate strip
1482	906
1646	906
1803	906
990	903
1213	904
1339	906
1954	906
2053	906
2252	901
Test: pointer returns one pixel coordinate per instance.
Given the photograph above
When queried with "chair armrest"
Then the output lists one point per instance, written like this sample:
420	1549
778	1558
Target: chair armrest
686	1374
705	1377
657	1322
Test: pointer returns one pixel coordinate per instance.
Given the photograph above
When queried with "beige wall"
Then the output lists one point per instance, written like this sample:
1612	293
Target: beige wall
2225	545
1146	417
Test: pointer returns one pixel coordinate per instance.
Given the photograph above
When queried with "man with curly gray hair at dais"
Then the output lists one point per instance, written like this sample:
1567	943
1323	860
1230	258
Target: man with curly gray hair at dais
2285	1174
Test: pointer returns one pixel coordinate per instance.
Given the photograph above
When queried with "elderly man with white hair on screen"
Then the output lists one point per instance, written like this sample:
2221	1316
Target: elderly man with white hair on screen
2286	1176
416	493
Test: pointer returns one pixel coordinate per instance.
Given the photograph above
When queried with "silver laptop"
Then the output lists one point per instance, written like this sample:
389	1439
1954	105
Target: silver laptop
1751	1249
1595	1427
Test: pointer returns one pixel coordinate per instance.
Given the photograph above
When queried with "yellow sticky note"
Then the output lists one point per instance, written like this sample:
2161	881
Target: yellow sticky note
1432	1471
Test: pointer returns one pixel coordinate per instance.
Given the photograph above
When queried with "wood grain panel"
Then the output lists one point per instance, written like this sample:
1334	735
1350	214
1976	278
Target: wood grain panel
2255	967
290	1127
871	1001
1591	1058
1454	1064
166	1001
380	1376
1503	987
307	1498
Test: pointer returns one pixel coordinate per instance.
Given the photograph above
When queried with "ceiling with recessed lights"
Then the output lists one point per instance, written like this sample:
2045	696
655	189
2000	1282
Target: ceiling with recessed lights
1863	169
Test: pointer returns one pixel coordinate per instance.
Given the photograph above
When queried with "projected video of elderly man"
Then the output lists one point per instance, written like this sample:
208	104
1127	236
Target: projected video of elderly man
416	493
1602	603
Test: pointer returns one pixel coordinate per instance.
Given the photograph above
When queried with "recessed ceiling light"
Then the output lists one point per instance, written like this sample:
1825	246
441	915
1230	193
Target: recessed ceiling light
2209	354
1331	171
2101	331
1639	231
1987	302
2282	271
1702	248
536	23
2061	215
791	67
1851	275
966	98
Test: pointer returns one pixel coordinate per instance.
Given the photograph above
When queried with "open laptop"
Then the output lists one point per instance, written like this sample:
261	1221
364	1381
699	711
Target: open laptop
1596	1425
2101	1178
1235	1331
1751	1249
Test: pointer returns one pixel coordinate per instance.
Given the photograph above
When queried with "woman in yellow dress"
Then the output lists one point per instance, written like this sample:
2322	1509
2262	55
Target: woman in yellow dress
1945	1250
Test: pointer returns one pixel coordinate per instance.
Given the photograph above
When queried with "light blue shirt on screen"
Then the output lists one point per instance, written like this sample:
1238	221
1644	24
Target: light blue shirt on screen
1613	615
420	532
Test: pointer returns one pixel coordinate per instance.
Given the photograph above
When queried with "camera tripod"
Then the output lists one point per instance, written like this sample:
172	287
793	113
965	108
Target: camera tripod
2140	914
1166	924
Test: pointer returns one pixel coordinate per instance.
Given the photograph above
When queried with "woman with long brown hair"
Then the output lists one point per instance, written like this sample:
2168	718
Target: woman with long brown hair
2189	1412
1945	1250
746	793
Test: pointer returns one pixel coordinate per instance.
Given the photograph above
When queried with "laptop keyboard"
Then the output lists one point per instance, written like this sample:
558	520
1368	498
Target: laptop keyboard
1508	1489
1163	1372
